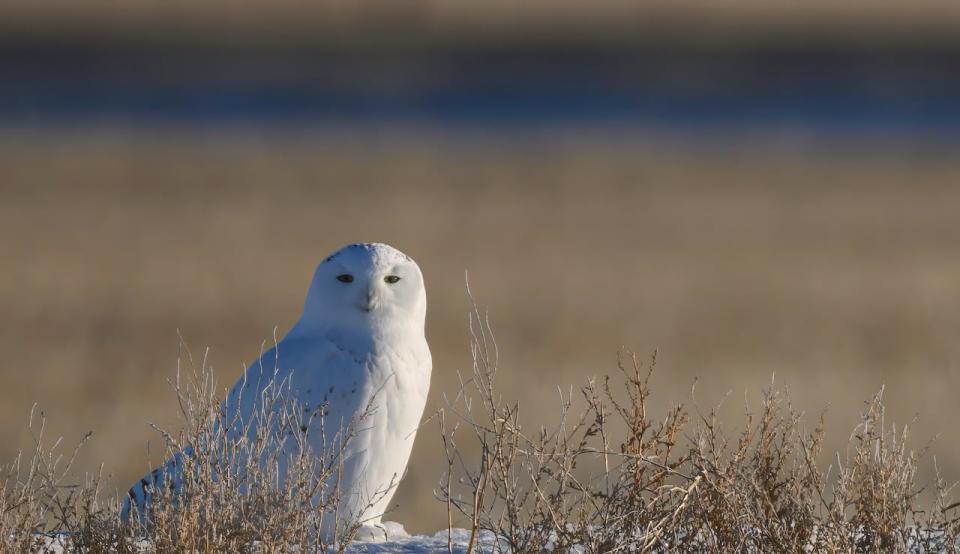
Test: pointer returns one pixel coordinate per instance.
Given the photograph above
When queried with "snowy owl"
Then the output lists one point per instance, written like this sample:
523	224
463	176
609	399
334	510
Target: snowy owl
358	350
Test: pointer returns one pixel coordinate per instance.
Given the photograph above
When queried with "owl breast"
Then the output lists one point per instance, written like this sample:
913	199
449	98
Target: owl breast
375	402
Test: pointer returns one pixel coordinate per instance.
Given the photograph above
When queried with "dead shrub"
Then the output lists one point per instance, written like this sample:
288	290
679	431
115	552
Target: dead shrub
608	477
229	485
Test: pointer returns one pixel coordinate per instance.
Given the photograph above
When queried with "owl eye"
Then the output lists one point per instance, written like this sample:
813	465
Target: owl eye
345	278
391	279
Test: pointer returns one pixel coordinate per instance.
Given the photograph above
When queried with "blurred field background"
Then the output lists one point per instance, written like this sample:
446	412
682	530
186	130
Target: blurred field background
801	223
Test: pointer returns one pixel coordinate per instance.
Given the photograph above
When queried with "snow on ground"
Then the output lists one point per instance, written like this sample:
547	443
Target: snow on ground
399	542
457	538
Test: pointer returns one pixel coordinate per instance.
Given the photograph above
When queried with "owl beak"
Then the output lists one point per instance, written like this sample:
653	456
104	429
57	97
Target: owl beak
370	303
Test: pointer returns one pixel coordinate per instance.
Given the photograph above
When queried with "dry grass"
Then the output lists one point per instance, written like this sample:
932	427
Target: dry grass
835	270
605	477
234	480
230	484
609	477
376	21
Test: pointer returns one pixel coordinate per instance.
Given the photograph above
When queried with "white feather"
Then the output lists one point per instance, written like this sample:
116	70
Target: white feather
358	350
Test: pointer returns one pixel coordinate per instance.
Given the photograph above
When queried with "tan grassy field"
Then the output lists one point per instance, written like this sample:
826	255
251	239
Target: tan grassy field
835	270
367	24
267	17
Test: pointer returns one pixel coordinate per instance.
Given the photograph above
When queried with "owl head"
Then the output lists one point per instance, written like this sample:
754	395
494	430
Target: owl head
367	285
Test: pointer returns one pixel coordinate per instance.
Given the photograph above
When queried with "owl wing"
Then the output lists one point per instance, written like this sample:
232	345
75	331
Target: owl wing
310	374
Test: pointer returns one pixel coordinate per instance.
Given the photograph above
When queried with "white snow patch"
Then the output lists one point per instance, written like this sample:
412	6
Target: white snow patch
397	540
438	542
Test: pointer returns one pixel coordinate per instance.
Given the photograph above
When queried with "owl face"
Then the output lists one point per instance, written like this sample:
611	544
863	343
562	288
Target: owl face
367	284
